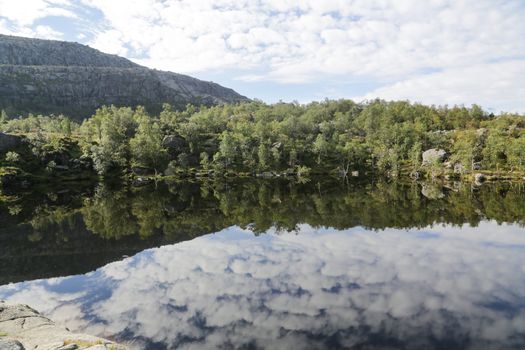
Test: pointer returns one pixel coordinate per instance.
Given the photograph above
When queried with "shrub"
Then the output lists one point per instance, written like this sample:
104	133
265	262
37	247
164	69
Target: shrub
12	157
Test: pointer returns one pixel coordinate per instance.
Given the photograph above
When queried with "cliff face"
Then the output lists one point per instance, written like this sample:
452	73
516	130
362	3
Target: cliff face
45	76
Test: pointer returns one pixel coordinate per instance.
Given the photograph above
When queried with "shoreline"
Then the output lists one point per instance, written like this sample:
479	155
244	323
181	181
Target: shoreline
22	327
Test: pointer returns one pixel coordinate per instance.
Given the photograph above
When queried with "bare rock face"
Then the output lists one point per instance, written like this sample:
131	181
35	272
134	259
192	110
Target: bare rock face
434	155
9	142
174	142
46	76
24	328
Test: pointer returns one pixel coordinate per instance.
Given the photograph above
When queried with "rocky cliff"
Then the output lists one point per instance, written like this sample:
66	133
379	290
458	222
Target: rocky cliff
45	76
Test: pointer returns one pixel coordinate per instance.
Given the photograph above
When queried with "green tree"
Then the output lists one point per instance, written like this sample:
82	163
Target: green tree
263	155
107	136
146	145
320	147
3	117
205	160
228	148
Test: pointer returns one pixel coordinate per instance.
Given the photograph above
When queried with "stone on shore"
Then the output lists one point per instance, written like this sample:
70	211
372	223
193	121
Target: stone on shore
23	328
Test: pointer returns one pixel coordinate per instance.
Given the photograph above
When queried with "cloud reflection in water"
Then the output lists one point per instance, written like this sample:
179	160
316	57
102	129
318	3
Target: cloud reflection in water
440	287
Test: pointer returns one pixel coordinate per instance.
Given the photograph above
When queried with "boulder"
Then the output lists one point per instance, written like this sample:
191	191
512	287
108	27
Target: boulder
432	191
174	142
265	174
10	344
355	173
25	328
479	178
434	155
459	168
9	142
415	175
481	132
141	181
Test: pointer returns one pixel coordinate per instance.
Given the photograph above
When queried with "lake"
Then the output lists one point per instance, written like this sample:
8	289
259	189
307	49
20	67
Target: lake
273	264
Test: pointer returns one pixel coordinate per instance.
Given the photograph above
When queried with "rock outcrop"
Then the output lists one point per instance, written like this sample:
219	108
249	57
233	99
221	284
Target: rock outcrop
23	328
434	155
46	76
9	142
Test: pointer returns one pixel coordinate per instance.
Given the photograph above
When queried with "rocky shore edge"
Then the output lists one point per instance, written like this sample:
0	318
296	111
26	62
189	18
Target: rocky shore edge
23	328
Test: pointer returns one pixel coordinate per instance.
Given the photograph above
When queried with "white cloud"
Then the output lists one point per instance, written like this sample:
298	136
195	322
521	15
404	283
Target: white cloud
391	43
278	289
29	11
497	85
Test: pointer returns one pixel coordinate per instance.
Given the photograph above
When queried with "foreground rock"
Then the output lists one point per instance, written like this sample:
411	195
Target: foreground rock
22	328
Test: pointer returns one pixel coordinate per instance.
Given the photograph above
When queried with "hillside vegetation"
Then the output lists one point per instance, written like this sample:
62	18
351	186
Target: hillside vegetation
339	137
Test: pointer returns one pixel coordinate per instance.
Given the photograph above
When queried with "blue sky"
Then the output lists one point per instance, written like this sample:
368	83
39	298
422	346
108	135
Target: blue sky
435	51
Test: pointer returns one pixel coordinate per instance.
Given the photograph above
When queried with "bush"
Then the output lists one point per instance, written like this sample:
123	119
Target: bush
303	170
12	157
51	166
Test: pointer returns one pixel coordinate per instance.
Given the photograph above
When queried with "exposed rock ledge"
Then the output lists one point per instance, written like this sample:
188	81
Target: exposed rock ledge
22	328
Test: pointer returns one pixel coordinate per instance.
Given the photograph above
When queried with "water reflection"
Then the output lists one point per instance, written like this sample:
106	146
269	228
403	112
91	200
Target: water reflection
72	230
440	287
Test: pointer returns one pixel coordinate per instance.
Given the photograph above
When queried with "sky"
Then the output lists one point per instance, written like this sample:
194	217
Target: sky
433	51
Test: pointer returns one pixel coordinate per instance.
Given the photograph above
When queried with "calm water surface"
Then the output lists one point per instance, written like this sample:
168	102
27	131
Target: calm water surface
273	264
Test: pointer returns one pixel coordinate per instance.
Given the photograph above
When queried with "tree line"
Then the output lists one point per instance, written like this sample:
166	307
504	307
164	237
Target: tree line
320	137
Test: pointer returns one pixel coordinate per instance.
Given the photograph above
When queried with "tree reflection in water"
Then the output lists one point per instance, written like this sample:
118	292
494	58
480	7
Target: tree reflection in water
329	266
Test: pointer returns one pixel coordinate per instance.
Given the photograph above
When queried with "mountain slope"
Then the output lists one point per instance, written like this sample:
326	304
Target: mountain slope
46	76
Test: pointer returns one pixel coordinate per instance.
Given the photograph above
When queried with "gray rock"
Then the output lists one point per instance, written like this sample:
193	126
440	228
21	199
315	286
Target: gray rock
141	181
266	174
459	168
479	178
45	76
28	329
10	344
481	132
9	142
355	173
289	172
432	191
33	52
476	166
174	142
415	175
433	155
